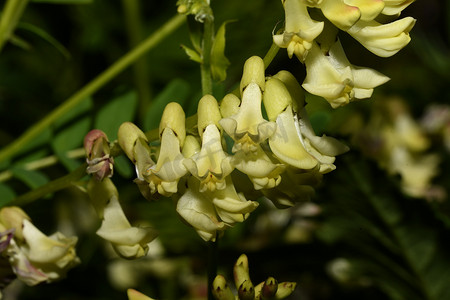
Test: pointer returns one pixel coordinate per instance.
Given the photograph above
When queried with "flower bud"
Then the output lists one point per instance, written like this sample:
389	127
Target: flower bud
128	135
207	113
174	118
135	295
253	72
285	289
269	288
229	105
241	271
292	86
246	291
13	217
220	289
276	98
191	146
99	161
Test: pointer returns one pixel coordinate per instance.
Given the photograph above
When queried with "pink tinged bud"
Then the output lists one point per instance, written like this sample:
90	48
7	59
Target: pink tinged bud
100	163
269	288
221	290
246	291
285	289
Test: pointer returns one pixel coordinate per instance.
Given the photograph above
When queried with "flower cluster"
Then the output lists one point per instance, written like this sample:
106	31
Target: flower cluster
310	33
32	256
281	156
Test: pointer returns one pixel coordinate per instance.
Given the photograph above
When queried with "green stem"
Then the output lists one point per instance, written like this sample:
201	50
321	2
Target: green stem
270	55
43	162
93	86
213	253
205	68
51	186
11	14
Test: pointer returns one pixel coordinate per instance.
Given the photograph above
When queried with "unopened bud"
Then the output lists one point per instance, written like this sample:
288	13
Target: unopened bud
229	105
253	72
128	135
292	86
269	289
241	270
12	217
246	291
99	161
221	290
276	98
174	118
207	113
191	146
285	289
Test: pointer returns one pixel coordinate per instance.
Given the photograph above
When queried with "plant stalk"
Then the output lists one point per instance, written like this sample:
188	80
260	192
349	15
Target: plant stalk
93	86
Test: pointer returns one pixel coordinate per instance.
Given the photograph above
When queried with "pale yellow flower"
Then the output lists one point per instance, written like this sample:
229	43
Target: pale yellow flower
395	7
41	258
163	177
335	79
300	30
383	39
211	212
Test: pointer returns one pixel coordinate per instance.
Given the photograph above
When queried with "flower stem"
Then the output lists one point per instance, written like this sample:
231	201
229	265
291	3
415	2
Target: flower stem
10	16
93	86
51	186
213	253
208	37
270	55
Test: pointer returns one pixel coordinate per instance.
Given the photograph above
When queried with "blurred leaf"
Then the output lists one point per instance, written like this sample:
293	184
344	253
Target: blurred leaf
192	54
123	166
45	36
176	91
82	108
195	32
219	63
33	179
42	139
19	42
64	1
69	138
396	239
6	194
112	115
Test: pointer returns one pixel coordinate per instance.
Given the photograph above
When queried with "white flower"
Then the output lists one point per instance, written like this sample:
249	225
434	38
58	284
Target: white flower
211	212
383	39
42	258
300	30
335	79
247	127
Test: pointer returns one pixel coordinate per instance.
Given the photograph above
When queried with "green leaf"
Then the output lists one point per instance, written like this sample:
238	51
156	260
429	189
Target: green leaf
47	37
176	91
6	194
32	179
69	138
195	33
123	166
19	42
192	54
219	63
81	109
112	115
